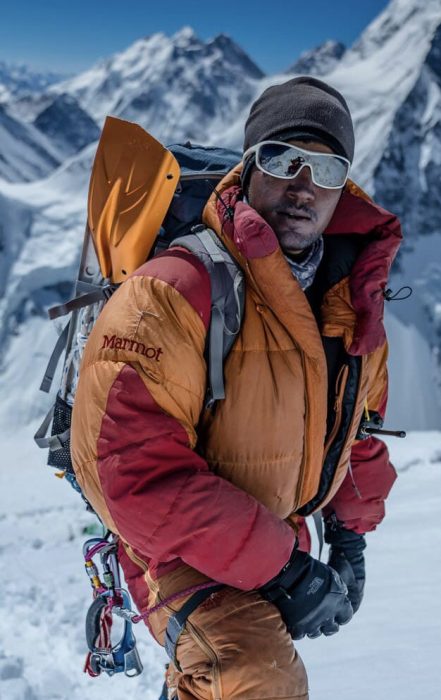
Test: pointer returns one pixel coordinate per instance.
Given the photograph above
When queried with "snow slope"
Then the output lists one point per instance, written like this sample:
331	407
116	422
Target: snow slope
390	650
26	154
414	380
319	61
67	125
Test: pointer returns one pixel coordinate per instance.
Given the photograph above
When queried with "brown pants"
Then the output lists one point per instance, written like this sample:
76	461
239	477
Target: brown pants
235	645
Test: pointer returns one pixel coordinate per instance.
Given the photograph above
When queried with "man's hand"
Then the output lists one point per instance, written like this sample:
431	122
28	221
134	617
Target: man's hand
347	558
311	597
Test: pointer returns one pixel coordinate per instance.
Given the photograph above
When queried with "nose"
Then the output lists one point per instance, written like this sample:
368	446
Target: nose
301	188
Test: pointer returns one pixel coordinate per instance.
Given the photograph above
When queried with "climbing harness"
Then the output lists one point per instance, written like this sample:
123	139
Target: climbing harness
108	595
111	599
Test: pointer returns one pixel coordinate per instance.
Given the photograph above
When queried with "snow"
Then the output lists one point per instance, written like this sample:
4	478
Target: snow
320	60
43	228
26	154
391	649
415	393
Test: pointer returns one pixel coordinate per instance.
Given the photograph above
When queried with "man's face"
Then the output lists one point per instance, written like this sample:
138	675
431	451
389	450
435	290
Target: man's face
297	210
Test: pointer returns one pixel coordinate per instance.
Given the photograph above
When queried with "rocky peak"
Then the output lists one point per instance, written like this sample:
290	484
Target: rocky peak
320	60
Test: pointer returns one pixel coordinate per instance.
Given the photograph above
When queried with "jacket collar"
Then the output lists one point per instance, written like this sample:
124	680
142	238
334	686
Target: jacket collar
248	236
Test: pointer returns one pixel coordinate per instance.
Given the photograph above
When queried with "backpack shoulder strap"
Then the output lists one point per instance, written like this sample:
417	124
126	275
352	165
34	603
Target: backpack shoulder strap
227	303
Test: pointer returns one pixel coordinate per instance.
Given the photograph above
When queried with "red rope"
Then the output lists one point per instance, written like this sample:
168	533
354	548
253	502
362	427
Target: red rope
103	641
171	599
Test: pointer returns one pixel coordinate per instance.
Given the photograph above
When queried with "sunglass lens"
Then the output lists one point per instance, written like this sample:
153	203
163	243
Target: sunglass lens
329	172
285	161
277	159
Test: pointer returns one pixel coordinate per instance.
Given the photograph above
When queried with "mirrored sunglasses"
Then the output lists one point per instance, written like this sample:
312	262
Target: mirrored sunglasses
285	161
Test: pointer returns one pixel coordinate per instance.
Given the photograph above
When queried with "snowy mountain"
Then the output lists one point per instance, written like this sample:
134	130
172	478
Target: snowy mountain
18	79
320	60
391	78
26	154
178	87
408	178
181	87
67	125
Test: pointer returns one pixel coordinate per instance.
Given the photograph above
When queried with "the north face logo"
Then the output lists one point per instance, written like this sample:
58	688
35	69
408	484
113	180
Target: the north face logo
117	343
314	586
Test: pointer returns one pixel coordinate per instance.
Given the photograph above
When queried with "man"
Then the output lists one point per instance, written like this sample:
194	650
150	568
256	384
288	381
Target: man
200	496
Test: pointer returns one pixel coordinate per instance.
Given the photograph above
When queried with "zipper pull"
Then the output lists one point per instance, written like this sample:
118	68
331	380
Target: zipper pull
355	487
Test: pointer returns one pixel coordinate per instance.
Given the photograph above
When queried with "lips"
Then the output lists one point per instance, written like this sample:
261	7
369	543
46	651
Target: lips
294	221
295	216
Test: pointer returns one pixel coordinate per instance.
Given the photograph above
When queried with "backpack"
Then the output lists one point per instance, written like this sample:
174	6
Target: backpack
199	170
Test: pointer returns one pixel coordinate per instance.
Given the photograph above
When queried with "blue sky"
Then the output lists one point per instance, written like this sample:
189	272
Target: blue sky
70	36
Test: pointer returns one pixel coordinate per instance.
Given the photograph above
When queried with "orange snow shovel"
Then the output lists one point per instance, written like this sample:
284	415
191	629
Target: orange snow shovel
132	183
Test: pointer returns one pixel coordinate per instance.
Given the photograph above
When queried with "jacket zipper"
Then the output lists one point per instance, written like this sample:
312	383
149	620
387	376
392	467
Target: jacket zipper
340	386
356	400
209	651
302	473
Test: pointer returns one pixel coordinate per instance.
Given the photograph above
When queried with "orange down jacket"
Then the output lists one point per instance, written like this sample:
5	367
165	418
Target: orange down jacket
223	491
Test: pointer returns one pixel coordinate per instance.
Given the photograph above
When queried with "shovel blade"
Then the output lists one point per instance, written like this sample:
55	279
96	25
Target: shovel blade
133	181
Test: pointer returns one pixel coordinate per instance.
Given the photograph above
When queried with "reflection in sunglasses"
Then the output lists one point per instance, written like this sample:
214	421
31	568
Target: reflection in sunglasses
285	160
295	165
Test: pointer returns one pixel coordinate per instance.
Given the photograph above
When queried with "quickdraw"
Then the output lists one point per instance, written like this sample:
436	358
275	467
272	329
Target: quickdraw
111	599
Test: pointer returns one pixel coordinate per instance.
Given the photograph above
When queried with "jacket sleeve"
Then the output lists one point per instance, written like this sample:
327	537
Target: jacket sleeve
141	391
359	504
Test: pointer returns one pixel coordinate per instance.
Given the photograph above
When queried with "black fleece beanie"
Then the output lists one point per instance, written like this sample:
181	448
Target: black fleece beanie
304	108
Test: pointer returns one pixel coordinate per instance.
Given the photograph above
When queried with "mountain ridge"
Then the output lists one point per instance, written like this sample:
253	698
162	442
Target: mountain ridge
18	79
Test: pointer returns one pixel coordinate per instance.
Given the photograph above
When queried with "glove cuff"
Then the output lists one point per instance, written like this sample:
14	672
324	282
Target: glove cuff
340	537
292	572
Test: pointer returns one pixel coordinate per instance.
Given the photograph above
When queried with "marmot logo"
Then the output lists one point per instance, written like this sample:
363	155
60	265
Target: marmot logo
116	343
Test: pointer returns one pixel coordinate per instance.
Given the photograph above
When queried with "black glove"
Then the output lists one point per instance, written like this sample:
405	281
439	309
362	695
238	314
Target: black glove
347	558
311	597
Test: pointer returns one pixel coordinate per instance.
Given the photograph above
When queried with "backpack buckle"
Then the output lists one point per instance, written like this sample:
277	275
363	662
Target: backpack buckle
108	290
